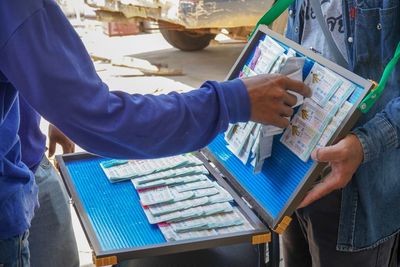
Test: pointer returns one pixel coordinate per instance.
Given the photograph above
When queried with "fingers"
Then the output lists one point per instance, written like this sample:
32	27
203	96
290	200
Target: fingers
286	111
296	86
322	189
52	147
68	147
290	99
281	122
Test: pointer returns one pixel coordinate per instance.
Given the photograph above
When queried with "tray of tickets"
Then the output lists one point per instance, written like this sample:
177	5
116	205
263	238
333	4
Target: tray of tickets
133	209
270	167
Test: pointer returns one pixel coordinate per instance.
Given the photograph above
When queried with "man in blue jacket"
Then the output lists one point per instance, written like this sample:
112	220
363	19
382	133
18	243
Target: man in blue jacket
357	225
44	61
51	236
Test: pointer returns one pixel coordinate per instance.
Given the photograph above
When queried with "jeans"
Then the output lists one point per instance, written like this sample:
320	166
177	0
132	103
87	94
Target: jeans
14	252
310	240
52	240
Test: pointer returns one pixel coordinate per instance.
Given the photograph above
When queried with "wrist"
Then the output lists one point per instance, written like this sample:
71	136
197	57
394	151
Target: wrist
357	148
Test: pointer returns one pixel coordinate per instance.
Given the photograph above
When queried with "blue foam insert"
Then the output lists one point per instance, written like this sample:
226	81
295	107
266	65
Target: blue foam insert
281	173
114	210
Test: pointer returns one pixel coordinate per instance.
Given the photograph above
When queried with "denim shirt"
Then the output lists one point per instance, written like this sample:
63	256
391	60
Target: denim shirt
370	211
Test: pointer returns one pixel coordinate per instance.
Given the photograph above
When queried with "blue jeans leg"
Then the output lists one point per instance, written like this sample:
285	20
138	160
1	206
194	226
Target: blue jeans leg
14	252
52	240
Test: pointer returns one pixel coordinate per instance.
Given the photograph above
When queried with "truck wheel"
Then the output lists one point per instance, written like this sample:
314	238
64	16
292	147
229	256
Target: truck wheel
187	40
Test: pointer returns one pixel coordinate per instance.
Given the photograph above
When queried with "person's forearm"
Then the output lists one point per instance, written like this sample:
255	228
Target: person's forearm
46	61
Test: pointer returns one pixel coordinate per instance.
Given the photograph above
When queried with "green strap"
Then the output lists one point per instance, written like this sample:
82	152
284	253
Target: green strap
273	13
281	5
374	95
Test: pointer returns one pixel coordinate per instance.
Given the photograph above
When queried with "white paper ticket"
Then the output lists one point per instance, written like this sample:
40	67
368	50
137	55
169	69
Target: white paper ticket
184	171
171	235
300	138
240	136
270	52
155	196
189	213
161	209
316	116
170	181
343	93
323	84
194	186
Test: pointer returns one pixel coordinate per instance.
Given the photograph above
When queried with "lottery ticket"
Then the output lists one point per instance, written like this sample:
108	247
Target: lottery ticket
343	93
245	153
326	136
335	123
222	196
170	181
185	171
240	136
160	209
193	186
209	222
137	168
197	234
246	226
323	83
155	196
253	62
247	72
190	213
300	138
315	116
270	52
180	196
171	235
278	63
342	113
205	192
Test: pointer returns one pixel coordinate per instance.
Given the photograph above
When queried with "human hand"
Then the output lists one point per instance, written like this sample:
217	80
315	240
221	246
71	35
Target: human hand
57	137
344	158
270	101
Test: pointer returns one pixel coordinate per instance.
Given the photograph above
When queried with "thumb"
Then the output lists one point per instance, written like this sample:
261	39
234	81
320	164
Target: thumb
328	154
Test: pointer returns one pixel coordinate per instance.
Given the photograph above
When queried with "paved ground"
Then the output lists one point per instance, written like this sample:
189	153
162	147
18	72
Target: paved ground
211	63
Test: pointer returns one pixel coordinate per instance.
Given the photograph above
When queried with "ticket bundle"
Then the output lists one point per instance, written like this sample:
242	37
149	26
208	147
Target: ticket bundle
121	170
177	192
320	116
316	119
252	142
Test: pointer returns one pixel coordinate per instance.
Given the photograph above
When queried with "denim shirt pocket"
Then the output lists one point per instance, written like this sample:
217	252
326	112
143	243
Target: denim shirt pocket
374	38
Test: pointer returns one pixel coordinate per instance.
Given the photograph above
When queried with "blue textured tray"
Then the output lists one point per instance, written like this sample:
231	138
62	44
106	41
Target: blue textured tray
113	209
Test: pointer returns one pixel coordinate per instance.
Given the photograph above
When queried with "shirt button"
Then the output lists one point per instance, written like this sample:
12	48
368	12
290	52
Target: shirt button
379	26
291	12
350	39
296	30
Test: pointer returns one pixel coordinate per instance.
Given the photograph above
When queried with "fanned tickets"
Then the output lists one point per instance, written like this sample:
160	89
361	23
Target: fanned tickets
119	171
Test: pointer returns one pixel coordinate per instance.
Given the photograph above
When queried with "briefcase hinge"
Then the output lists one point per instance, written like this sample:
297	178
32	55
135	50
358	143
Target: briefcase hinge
261	239
111	260
283	225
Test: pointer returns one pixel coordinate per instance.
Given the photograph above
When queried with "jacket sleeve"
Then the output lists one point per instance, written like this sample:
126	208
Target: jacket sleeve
382	132
48	64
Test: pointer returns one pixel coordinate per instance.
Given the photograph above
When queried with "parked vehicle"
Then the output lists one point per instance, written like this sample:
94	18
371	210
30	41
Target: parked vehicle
187	24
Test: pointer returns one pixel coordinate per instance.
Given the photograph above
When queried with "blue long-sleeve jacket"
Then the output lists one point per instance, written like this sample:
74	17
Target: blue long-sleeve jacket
43	59
370	211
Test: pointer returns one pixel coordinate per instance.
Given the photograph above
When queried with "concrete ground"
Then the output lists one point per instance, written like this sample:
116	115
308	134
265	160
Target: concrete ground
212	63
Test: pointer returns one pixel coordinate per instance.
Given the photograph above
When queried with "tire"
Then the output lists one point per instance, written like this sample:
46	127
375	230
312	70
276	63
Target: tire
187	40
